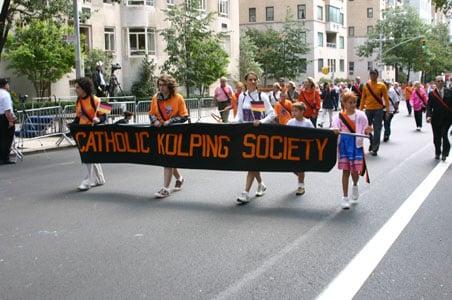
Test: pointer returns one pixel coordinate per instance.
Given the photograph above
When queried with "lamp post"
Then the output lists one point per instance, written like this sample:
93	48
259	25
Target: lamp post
79	71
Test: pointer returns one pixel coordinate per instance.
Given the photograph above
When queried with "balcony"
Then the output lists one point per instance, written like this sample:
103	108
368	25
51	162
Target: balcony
331	45
332	27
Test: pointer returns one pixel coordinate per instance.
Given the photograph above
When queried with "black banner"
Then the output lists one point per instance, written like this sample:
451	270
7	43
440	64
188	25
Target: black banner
239	147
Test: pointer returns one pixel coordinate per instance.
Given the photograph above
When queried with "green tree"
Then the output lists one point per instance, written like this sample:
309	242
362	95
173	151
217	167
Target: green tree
399	34
189	37
247	60
281	52
17	13
145	86
438	51
38	51
444	5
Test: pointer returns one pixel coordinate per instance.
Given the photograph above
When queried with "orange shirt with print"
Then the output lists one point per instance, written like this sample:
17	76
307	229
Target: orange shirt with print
86	109
169	108
311	98
283	111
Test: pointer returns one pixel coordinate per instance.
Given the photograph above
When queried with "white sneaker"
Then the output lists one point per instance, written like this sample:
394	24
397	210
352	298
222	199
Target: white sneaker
261	188
83	187
244	197
97	183
301	190
164	192
345	203
355	195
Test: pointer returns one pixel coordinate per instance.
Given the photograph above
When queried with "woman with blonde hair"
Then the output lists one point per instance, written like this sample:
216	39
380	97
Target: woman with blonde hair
310	96
418	101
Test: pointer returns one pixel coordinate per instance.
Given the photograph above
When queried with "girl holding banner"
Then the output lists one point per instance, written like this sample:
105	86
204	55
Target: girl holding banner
350	146
253	106
86	111
167	108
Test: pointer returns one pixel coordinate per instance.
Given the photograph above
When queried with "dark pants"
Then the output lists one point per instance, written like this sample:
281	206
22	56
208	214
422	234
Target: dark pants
408	106
314	121
387	125
418	118
6	139
440	136
224	114
375	118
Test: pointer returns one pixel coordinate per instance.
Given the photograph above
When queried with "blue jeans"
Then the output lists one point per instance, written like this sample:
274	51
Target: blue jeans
375	118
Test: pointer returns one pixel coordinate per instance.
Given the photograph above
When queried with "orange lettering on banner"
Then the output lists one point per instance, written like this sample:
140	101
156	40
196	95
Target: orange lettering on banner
179	146
259	146
223	151
99	135
272	147
91	143
160	146
321	147
308	147
212	146
79	135
195	141
109	142
291	148
120	142
142	148
173	151
285	148
248	143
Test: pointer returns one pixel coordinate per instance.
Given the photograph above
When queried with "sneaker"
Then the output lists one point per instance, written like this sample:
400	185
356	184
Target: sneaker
178	185
261	188
83	187
418	129
355	195
164	192
97	183
300	190
386	138
443	158
373	153
345	203
244	197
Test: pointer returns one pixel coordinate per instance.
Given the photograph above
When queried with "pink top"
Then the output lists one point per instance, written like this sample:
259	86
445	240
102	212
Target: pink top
220	96
361	123
416	102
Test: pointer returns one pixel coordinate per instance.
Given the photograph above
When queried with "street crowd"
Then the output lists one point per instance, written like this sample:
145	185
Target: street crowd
365	109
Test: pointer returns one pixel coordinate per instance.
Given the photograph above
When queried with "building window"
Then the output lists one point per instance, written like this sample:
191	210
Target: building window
252	14
351	67
199	4
351	31
341	42
109	33
332	65
370	65
369	29
140	2
301	11
269	11
141	41
224	8
170	2
370	12
333	14
320	65
320	13
320	39
341	65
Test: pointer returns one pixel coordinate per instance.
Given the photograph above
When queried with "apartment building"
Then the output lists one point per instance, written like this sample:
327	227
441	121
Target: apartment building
325	21
363	16
131	29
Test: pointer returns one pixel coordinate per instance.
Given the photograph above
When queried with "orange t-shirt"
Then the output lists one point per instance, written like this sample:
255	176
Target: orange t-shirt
172	107
408	92
86	109
311	98
283	111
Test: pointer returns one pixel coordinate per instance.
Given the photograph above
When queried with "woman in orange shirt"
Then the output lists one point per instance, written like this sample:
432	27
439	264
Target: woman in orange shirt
167	108
239	88
283	108
310	96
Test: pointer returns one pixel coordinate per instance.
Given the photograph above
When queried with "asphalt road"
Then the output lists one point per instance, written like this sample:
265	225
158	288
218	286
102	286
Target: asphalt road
117	241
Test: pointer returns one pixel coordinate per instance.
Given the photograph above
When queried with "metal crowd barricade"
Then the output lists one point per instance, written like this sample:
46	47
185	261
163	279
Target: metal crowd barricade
67	116
193	109
206	107
142	112
40	122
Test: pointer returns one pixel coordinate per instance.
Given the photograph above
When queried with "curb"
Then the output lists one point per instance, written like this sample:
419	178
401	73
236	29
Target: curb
41	150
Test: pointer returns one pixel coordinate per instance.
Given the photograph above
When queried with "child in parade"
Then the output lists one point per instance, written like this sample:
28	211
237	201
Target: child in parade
283	108
86	111
167	108
310	96
253	106
350	148
299	120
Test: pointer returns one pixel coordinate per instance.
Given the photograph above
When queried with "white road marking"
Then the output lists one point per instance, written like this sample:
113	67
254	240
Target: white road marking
354	275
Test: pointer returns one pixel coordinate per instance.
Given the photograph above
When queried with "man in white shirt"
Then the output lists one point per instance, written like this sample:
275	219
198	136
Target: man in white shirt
7	120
